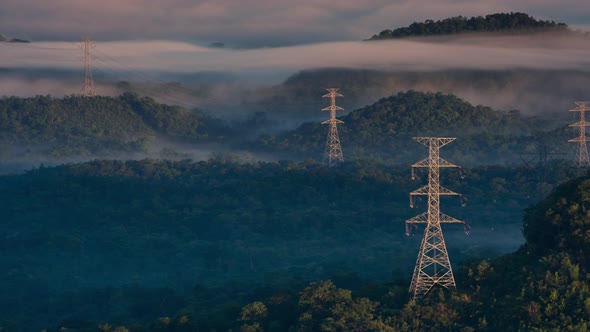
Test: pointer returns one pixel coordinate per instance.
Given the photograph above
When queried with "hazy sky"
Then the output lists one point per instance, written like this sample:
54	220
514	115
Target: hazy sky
252	22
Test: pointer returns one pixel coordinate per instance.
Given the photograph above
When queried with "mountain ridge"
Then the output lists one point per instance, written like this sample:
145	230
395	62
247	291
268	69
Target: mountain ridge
498	22
384	129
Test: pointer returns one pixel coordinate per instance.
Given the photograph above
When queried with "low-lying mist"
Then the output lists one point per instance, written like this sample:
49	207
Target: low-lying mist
488	52
535	73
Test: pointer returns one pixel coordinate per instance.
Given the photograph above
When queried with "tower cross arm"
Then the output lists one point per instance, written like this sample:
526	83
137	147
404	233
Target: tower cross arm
424	163
442	191
580	139
419	219
580	124
582	106
334	93
427	141
420	191
444	163
332	121
444	218
450	220
336	108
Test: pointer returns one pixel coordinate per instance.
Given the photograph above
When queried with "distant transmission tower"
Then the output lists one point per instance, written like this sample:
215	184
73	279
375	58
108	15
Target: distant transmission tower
333	152
582	158
433	266
541	152
88	88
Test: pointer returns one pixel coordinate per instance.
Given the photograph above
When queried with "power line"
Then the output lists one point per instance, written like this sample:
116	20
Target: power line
116	69
115	64
27	45
112	61
146	91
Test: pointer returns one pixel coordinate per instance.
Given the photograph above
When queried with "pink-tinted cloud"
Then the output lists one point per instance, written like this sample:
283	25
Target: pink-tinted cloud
470	52
252	22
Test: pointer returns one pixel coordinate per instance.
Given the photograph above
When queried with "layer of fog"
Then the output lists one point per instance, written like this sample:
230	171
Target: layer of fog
22	158
530	91
542	51
213	77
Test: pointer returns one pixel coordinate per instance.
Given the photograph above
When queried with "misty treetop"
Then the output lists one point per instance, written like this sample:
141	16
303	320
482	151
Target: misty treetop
384	131
500	22
78	125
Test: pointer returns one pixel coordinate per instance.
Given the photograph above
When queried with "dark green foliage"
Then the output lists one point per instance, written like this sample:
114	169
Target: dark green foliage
500	22
97	125
543	286
86	230
413	112
383	131
562	221
534	289
324	307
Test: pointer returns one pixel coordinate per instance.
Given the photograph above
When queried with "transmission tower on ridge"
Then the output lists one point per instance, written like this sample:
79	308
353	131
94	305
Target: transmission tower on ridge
333	152
433	266
88	88
582	158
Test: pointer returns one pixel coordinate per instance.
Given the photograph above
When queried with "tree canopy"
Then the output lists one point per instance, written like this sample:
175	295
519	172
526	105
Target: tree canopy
499	22
79	126
228	233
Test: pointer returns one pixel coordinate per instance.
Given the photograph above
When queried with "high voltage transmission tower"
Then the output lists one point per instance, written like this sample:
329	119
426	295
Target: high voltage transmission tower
582	158
88	88
541	151
433	266
333	152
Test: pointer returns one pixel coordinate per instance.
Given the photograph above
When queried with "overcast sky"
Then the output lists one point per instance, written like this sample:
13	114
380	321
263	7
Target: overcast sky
252	23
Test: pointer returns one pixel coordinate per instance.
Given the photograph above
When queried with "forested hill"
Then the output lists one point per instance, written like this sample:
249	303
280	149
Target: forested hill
78	125
384	130
541	287
500	22
76	235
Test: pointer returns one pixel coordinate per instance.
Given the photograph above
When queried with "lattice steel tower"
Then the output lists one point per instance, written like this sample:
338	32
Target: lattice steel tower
582	158
88	88
433	266
333	153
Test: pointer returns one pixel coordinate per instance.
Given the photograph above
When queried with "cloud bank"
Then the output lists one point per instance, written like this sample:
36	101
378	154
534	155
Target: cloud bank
252	22
491	53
